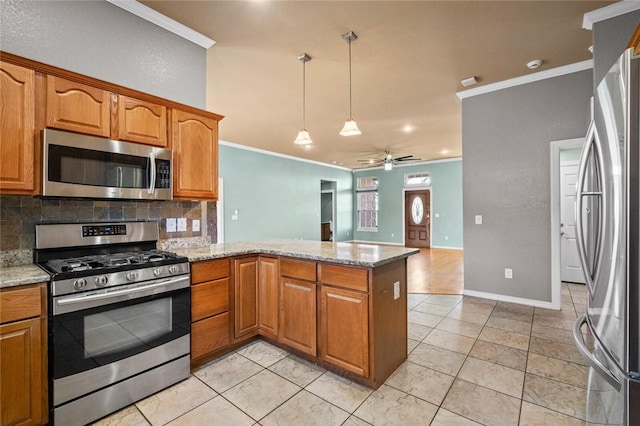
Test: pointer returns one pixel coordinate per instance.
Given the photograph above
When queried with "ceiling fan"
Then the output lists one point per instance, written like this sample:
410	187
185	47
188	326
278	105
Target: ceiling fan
388	161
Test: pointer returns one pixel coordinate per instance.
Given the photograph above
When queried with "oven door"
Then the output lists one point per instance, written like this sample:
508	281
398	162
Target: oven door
100	337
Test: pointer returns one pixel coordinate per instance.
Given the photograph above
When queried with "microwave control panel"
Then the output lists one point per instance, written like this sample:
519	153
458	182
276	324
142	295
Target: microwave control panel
163	174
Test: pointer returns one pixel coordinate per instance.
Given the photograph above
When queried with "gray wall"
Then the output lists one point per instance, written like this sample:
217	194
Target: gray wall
610	39
506	178
101	40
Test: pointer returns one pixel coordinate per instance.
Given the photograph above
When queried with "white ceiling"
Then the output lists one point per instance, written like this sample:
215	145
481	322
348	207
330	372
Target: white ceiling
408	62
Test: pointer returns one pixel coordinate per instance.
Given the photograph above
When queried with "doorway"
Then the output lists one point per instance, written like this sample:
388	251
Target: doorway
417	218
327	210
570	268
561	151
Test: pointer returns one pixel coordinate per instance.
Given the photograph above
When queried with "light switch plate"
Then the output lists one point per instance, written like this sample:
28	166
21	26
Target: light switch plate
171	224
195	225
396	290
478	219
182	224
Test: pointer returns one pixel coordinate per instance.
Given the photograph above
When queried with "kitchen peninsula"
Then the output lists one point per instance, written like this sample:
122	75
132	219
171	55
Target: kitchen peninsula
342	305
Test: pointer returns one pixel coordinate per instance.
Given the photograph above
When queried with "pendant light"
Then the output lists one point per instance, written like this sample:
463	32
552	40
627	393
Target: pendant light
350	127
303	137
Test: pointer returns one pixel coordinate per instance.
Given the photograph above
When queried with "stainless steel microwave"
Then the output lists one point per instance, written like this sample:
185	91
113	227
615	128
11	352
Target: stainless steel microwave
76	165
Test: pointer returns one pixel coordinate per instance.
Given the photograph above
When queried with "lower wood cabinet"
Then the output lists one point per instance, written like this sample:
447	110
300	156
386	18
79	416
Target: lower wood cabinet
245	296
23	356
297	326
210	301
268	296
344	329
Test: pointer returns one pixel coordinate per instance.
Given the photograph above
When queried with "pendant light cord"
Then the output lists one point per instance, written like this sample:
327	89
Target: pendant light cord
304	94
350	114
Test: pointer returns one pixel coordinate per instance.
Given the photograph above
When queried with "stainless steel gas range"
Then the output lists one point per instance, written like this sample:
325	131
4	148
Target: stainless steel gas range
119	316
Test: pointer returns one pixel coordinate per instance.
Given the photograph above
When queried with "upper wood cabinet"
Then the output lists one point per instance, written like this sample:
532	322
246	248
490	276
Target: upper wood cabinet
17	124
194	140
138	121
77	107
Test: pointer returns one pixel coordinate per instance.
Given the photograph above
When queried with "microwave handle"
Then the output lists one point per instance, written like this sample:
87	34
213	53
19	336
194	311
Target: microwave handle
152	179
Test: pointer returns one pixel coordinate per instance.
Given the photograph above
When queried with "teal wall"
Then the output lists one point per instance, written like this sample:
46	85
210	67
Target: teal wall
446	200
279	197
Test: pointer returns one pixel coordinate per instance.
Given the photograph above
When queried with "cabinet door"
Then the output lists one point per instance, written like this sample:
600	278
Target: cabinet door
246	296
17	125
194	140
21	372
344	325
77	107
139	121
209	335
297	326
268	296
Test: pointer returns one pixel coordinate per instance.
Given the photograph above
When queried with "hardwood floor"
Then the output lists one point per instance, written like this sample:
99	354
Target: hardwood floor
436	271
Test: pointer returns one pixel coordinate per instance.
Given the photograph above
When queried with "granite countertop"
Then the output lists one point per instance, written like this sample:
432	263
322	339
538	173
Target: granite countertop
355	254
11	276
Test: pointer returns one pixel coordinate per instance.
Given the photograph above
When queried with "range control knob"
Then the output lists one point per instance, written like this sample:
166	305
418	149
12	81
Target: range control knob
80	283
173	269
158	271
132	276
101	280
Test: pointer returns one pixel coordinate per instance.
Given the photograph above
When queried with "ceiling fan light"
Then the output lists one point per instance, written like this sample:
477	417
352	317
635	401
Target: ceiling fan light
388	165
303	138
350	128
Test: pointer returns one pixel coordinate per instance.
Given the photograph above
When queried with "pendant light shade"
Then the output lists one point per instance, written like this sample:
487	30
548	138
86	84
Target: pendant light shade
388	165
303	137
350	127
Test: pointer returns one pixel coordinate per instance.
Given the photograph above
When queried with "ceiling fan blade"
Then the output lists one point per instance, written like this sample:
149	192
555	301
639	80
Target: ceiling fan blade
404	158
372	161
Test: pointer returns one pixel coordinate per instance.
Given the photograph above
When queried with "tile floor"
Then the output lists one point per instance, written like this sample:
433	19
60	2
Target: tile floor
471	361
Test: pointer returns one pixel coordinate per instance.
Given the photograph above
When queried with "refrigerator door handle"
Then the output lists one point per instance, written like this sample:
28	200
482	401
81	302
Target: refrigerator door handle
590	357
592	146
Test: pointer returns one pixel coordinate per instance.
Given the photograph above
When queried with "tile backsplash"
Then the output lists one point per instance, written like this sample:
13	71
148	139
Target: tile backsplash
20	214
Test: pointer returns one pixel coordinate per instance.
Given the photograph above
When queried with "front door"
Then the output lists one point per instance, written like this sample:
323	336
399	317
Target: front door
571	270
417	218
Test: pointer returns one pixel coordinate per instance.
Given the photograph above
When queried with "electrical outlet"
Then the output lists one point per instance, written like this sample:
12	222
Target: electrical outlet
182	224
396	290
508	273
171	224
195	225
393	235
446	237
478	219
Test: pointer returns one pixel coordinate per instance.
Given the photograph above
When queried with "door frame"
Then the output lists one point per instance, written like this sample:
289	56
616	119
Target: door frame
220	212
404	194
556	265
333	211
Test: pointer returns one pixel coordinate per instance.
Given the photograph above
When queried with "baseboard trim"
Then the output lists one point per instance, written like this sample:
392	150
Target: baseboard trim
447	248
375	242
510	299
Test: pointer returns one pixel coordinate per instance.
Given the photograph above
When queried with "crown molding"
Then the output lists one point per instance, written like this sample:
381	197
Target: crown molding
277	154
157	18
611	11
529	78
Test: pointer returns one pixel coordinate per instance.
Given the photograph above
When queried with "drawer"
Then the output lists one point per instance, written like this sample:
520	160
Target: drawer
209	298
209	335
209	270
302	269
344	276
20	303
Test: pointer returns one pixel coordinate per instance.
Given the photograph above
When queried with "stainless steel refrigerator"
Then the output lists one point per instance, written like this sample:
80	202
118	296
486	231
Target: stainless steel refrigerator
608	235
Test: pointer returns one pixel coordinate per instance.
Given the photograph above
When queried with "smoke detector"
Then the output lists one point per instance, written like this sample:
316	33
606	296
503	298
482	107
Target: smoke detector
534	64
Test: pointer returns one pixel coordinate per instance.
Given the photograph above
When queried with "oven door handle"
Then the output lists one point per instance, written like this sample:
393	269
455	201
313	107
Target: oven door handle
76	303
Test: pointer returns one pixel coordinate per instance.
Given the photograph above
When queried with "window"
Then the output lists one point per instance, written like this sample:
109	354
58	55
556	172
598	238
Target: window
367	204
417	179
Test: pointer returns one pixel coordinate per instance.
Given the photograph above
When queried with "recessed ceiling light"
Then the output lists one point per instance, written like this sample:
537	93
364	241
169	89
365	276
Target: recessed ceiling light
444	152
307	147
469	81
408	128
